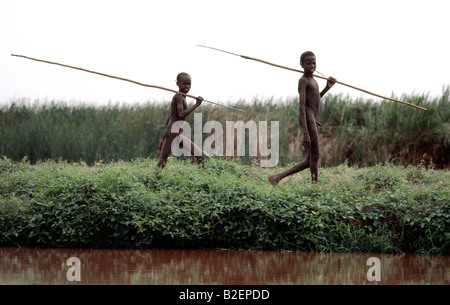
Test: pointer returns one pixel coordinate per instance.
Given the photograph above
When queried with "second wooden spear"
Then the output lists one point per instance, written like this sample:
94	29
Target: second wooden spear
124	79
295	70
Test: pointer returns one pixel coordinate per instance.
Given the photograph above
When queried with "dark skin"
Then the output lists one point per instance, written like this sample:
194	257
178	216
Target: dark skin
178	112
310	96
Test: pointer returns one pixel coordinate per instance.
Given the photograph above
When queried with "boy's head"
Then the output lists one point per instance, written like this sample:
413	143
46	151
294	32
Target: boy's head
308	62
304	55
184	82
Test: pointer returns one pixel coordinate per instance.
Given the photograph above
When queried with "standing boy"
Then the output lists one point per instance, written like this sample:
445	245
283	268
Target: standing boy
309	108
178	112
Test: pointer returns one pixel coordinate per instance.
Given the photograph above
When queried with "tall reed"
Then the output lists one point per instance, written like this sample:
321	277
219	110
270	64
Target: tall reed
359	132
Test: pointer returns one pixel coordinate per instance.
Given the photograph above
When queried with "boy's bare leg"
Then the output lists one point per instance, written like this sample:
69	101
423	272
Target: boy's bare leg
165	151
314	161
195	151
275	179
314	150
198	153
312	157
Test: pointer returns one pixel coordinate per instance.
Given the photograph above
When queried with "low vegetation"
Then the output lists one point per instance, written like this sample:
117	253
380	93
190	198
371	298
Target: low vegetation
385	208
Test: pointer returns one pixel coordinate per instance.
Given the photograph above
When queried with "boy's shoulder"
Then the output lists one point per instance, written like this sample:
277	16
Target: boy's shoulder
178	97
303	80
307	80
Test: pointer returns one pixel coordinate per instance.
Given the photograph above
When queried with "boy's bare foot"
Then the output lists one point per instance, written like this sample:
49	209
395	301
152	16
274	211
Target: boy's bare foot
273	180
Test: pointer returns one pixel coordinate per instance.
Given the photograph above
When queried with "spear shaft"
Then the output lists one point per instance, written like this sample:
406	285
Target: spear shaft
296	70
124	79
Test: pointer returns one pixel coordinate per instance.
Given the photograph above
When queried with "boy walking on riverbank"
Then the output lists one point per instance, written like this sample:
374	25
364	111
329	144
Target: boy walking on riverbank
309	109
178	112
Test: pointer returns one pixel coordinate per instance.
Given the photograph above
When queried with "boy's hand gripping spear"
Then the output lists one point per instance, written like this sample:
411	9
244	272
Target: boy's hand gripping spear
287	68
124	79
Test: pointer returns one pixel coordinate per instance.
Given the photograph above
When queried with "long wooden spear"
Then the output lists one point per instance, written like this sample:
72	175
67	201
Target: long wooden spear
124	79
295	70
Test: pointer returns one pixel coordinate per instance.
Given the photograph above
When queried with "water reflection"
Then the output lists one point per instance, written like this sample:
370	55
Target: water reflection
228	267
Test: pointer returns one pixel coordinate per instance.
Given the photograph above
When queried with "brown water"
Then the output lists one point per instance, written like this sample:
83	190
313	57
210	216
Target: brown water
31	266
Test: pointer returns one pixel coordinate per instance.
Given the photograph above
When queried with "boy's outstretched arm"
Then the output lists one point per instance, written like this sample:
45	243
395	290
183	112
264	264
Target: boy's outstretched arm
330	83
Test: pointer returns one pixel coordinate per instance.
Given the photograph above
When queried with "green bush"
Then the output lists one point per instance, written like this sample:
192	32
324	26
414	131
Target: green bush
226	205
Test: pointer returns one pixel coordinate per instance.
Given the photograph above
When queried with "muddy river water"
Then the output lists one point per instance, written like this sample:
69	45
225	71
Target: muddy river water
30	266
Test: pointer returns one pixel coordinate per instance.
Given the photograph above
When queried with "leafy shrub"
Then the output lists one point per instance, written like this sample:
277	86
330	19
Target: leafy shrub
227	205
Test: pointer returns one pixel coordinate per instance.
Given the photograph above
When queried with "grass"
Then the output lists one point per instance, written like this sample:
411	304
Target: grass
359	132
132	204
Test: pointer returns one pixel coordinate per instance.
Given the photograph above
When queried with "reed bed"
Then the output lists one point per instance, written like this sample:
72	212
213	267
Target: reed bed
358	132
